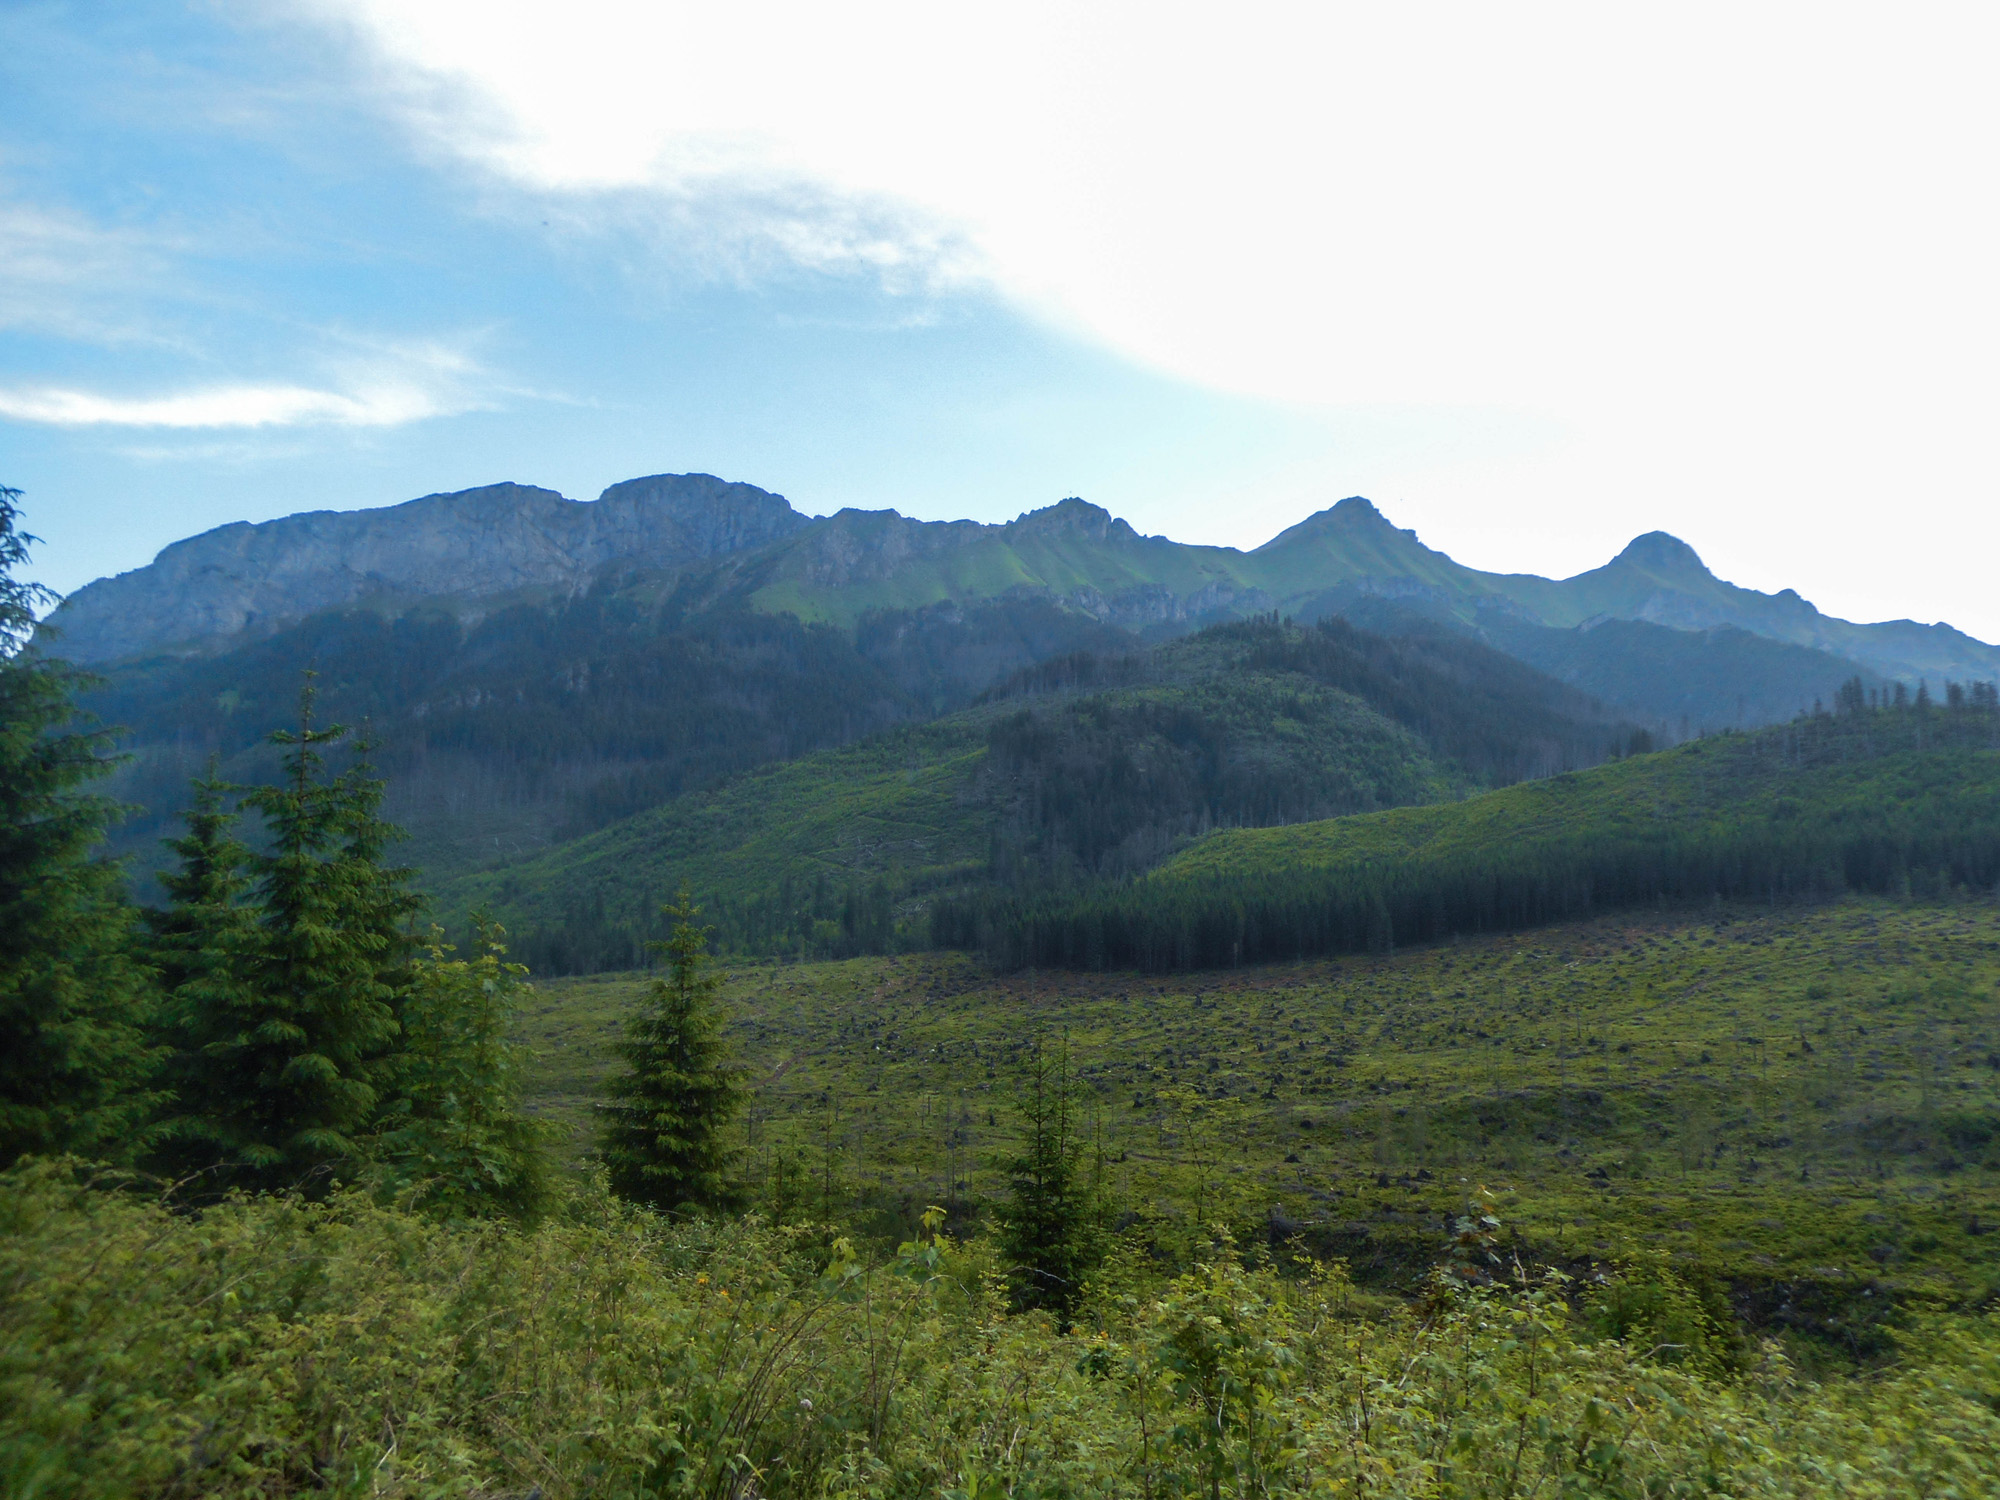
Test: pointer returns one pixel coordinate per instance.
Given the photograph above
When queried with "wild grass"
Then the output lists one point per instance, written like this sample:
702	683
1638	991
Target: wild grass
1803	1105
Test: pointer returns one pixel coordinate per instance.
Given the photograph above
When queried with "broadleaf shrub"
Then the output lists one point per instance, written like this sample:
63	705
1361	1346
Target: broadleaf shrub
266	1346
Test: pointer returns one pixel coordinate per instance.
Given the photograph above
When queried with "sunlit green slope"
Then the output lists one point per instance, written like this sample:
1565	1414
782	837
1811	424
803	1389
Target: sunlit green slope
1729	785
862	561
841	569
1872	800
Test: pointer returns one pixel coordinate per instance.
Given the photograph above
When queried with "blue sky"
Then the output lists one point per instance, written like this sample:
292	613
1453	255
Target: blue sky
257	258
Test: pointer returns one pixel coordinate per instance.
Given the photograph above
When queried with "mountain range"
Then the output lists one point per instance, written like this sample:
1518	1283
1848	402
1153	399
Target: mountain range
830	722
476	549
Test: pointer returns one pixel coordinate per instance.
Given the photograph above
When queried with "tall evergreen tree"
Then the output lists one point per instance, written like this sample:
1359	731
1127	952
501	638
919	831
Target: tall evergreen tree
662	1128
74	1064
455	1129
205	922
1047	1230
204	944
296	1051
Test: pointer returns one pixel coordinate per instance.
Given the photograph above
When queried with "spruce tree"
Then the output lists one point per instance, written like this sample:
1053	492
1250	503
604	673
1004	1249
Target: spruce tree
204	944
1048	1233
296	1051
74	1063
455	1132
662	1128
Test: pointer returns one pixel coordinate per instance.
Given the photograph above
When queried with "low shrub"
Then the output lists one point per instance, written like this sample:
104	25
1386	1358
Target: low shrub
271	1347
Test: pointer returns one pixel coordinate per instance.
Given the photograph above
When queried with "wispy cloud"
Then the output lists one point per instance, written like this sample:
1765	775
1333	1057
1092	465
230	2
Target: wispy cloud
62	273
408	384
221	406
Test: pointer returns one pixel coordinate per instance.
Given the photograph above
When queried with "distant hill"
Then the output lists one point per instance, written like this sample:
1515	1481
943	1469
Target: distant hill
1083	768
538	669
1681	682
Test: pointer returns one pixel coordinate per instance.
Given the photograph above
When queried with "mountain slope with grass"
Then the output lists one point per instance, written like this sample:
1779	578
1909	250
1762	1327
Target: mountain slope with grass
1870	800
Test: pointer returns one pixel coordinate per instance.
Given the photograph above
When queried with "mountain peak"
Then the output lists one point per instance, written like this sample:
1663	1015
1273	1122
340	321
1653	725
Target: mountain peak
1075	516
713	516
1661	552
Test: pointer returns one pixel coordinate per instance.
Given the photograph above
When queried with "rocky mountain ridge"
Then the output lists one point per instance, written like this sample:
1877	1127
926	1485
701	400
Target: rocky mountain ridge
737	543
498	540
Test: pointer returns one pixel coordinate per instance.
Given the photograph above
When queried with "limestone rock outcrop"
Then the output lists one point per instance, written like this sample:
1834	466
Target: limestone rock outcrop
481	543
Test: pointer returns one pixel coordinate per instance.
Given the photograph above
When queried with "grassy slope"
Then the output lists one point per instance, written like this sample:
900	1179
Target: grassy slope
911	806
959	565
890	805
1725	782
1807	1102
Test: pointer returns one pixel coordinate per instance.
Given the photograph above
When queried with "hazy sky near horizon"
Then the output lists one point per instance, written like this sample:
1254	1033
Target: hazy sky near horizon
1535	279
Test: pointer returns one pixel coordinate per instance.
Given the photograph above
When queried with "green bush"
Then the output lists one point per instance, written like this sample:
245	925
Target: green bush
269	1346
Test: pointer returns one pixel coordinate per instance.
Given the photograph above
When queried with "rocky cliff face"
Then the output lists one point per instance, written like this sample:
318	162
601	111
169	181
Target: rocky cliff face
499	539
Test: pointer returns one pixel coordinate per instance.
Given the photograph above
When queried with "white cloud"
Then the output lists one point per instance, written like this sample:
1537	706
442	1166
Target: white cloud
1740	255
393	385
1308	201
220	406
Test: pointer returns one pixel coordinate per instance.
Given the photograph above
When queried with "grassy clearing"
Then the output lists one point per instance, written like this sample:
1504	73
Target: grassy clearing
1805	1103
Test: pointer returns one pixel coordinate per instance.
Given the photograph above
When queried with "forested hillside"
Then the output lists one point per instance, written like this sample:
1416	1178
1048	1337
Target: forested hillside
1871	799
1086	767
504	733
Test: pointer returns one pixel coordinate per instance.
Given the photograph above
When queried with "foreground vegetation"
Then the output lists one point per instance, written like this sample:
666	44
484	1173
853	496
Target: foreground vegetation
269	1347
1697	1205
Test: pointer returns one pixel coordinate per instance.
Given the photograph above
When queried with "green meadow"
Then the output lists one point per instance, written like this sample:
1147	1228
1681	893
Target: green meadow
1802	1104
